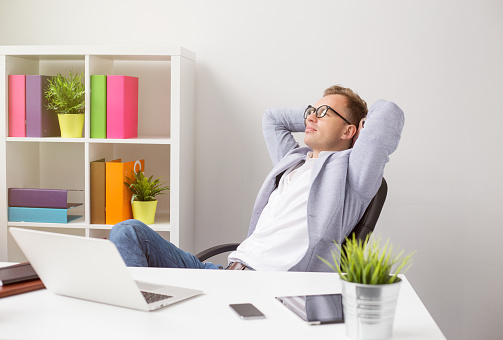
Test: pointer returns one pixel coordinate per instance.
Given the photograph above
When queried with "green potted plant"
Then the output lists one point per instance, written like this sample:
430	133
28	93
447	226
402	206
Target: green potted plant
370	285
144	190
66	97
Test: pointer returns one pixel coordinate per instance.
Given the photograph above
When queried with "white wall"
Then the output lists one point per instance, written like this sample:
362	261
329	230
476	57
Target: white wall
441	61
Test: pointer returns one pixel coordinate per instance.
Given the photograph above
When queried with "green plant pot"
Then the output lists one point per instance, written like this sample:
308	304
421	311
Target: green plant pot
71	125
144	211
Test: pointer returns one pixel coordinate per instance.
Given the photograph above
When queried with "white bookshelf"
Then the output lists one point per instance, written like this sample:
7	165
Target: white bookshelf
165	136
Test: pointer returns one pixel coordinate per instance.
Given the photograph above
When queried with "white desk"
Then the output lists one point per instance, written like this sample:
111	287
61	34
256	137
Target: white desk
41	314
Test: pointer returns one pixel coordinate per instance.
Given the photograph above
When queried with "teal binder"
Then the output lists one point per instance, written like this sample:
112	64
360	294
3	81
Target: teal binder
42	215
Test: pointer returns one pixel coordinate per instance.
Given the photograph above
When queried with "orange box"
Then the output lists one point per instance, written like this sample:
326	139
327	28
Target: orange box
118	196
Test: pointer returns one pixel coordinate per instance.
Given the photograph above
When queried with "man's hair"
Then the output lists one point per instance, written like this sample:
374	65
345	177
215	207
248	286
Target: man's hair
356	107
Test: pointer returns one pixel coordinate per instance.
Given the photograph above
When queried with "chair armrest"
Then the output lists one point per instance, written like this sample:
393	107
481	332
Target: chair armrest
206	254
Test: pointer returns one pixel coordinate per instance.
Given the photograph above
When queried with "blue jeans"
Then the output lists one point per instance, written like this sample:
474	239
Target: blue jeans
140	246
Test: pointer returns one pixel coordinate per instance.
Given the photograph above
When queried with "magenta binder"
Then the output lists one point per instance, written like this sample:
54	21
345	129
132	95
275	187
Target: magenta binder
17	106
40	121
122	107
38	198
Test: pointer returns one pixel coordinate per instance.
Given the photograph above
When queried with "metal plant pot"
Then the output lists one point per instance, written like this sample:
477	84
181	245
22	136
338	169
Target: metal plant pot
369	310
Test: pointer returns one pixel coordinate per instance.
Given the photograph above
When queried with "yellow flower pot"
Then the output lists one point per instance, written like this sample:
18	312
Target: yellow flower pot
71	125
144	211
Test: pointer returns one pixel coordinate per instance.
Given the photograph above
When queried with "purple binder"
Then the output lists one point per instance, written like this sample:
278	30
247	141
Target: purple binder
39	198
40	122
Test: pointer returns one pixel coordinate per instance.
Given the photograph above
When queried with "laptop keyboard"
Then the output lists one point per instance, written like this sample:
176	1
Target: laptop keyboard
153	297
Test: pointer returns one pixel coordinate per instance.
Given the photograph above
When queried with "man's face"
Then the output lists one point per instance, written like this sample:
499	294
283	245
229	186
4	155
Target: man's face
329	133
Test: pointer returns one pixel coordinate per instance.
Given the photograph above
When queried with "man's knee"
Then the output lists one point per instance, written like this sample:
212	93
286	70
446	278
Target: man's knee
126	228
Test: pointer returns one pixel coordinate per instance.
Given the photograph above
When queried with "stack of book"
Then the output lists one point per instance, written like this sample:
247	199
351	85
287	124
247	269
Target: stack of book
40	205
114	106
110	197
17	279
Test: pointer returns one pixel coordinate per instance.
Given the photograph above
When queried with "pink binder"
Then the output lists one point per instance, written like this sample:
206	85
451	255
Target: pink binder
17	106
122	107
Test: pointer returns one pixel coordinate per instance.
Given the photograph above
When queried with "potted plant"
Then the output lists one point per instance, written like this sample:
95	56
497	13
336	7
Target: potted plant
66	97
144	191
370	286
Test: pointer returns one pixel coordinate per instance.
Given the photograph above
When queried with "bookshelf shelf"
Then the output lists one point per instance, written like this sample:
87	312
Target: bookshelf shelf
44	140
165	136
76	224
139	140
162	223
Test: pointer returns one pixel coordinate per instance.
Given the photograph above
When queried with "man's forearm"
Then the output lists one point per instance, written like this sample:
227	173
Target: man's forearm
378	139
277	126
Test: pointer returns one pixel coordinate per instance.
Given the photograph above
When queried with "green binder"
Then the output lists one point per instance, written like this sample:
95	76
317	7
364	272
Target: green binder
98	106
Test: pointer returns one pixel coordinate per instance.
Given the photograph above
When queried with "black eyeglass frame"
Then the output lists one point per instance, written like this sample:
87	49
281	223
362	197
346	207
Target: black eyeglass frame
309	111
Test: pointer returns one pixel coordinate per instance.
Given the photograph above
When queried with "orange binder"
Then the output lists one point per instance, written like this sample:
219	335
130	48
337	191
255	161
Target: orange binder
118	196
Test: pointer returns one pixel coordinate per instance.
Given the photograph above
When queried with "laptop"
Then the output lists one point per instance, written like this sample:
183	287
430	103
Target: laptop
92	269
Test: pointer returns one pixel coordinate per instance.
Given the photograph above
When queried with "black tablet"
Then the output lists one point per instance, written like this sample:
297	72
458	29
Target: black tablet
315	309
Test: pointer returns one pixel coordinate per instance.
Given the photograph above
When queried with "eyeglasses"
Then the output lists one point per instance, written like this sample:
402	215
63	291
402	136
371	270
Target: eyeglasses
321	112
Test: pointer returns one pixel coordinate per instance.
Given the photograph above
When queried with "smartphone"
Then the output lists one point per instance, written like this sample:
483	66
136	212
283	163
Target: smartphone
247	311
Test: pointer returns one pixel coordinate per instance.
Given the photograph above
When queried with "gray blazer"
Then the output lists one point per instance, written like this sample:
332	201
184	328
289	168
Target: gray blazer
343	182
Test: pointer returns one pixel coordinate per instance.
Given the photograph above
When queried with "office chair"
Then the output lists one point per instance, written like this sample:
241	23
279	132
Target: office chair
364	227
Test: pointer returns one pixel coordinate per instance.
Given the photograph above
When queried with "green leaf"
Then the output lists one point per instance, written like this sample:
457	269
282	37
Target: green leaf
368	263
145	189
328	264
66	95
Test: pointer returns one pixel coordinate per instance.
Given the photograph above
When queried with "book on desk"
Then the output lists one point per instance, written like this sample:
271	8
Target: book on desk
17	279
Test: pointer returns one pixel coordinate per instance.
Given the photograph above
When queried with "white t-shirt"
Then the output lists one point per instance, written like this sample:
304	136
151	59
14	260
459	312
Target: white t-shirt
281	238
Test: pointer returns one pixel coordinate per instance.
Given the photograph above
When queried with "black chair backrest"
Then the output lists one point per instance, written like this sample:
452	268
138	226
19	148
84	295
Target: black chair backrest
368	222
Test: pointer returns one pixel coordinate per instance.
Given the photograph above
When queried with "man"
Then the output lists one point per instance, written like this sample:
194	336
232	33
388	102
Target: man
313	196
